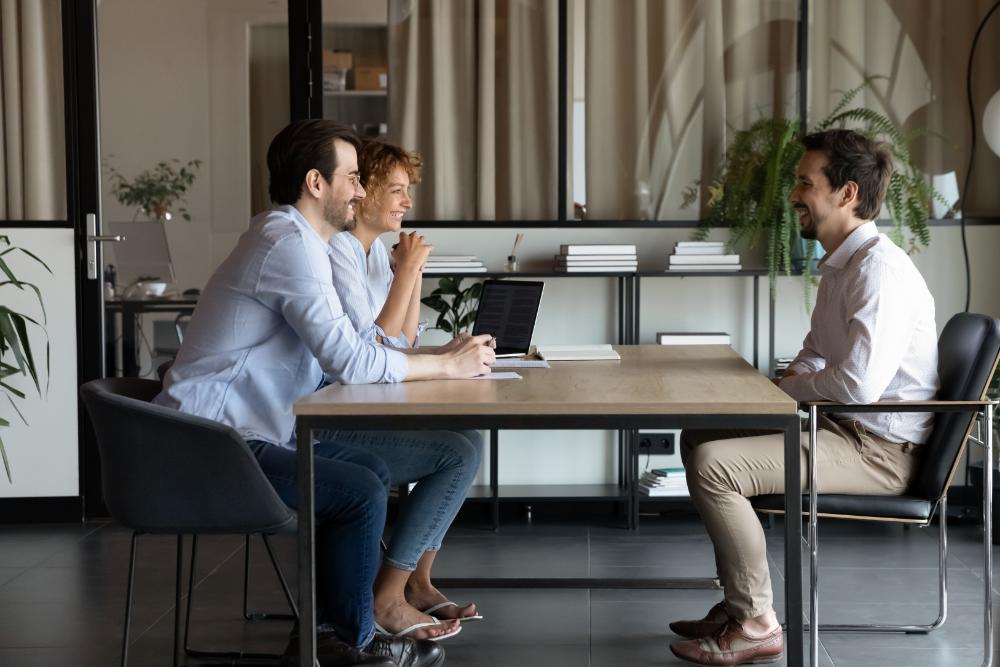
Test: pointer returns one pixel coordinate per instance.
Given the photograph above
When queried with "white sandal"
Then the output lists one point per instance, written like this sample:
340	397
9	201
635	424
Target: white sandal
419	626
448	603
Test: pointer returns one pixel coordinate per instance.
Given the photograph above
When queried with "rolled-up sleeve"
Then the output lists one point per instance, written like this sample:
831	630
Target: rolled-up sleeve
296	280
880	326
808	360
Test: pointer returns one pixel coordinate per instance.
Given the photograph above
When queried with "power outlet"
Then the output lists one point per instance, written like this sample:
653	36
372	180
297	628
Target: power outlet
656	443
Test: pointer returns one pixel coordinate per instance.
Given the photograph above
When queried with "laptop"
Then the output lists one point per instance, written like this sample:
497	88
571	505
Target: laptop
507	310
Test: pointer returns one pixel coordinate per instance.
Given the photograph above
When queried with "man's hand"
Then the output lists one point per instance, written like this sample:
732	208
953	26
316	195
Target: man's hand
787	374
470	356
411	253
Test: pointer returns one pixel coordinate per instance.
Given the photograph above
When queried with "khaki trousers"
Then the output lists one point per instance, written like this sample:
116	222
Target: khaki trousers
726	467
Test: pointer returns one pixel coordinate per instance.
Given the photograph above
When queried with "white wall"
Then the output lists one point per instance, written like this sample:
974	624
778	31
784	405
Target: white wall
174	84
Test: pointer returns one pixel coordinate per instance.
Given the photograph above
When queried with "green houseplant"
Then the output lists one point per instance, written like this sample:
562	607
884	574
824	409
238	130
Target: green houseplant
750	195
16	356
154	191
456	307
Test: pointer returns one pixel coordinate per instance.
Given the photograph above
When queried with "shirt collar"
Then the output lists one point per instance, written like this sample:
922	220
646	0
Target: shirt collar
838	258
301	221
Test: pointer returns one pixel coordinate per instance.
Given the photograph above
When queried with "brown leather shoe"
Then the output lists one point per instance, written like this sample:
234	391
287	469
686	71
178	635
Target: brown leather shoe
731	646
714	621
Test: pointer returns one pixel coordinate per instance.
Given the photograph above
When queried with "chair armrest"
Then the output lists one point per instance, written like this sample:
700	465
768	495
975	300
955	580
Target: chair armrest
900	406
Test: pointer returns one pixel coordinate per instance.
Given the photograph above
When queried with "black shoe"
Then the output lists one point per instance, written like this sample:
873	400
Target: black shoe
407	652
331	652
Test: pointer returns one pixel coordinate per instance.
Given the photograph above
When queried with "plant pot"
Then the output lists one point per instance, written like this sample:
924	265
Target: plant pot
976	475
799	251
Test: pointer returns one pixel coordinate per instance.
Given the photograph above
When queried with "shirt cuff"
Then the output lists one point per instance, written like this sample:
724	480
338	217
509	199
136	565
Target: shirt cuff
399	341
397	366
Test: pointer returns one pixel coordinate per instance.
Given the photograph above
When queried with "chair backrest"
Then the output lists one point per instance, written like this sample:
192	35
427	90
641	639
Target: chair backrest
168	472
968	351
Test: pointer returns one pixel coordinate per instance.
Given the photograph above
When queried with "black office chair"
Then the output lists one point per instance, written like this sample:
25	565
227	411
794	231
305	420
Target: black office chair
168	473
968	352
161	372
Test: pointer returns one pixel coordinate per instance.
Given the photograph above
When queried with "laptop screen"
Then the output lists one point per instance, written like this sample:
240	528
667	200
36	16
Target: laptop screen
507	310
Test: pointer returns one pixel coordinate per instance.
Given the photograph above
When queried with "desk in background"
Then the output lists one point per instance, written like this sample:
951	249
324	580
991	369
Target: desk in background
651	387
131	311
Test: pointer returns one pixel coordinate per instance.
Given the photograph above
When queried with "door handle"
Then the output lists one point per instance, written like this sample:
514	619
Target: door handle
93	238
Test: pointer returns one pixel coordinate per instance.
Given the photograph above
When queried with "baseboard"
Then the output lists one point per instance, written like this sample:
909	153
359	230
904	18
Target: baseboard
67	509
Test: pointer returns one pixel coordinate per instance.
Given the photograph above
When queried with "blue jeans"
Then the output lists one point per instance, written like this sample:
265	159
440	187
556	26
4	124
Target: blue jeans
351	492
442	463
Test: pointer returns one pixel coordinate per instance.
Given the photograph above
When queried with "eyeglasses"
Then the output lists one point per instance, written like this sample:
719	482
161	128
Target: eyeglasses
353	179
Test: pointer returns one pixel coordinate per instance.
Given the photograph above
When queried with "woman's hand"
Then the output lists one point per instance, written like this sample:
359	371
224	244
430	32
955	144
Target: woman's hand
411	253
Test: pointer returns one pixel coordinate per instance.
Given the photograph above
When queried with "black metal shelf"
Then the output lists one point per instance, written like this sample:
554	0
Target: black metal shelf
548	493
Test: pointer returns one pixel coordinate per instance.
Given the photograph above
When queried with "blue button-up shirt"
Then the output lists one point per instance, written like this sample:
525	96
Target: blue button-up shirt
362	281
268	329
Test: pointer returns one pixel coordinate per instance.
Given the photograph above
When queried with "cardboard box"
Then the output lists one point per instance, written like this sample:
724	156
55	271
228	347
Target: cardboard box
337	60
371	78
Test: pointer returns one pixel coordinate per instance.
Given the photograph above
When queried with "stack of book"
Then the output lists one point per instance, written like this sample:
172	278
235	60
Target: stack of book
454	264
781	365
702	256
660	482
584	258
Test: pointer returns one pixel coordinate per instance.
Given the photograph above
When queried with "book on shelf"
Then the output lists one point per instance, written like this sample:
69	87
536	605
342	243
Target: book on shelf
614	268
705	267
594	258
693	338
428	269
453	258
581	352
669	472
704	259
673	482
703	244
593	249
453	265
700	250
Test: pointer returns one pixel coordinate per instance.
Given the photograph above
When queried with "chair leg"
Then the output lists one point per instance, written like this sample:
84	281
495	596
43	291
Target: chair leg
263	615
177	599
231	656
988	641
942	592
128	598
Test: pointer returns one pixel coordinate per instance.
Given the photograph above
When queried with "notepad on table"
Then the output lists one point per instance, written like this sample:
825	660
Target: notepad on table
577	352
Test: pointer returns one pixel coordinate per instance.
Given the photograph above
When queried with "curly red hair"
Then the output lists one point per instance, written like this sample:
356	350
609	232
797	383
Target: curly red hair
376	162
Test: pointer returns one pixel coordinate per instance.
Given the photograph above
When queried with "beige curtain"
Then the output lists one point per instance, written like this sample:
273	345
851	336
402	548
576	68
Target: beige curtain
473	88
923	49
32	134
663	82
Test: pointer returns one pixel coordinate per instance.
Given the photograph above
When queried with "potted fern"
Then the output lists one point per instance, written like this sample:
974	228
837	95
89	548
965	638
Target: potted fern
750	196
16	355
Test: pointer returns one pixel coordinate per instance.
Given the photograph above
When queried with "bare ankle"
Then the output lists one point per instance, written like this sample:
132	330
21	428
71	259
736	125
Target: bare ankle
761	625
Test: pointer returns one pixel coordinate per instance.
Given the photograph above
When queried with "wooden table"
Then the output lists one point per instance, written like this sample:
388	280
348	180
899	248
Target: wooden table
700	386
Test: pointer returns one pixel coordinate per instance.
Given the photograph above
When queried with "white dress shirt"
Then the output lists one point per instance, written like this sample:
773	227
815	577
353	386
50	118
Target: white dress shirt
267	330
872	336
362	282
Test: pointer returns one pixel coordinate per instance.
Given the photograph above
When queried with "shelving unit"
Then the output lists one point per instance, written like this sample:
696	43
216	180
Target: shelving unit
366	110
628	327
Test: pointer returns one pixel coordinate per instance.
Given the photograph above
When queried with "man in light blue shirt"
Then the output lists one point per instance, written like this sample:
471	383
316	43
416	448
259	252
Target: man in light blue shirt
268	330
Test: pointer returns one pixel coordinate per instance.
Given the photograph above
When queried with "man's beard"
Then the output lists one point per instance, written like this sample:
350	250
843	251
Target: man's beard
808	231
336	216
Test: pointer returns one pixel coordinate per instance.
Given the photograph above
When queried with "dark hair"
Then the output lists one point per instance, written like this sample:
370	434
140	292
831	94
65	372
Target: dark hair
301	146
376	160
851	156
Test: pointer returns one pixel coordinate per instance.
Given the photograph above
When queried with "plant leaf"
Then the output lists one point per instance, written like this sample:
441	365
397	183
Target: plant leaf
22	330
6	463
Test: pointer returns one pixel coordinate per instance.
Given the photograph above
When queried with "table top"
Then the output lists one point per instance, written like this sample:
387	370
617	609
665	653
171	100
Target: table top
648	380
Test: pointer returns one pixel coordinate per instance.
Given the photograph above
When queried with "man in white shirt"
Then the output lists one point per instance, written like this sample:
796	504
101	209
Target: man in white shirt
872	338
